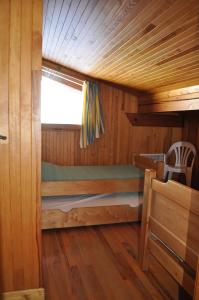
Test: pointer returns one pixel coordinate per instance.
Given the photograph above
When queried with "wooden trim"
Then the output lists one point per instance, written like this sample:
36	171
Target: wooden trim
48	72
58	188
183	105
86	216
66	80
143	259
32	294
155	120
64	70
60	127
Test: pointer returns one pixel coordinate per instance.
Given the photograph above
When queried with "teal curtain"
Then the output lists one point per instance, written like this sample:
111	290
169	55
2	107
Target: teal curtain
92	115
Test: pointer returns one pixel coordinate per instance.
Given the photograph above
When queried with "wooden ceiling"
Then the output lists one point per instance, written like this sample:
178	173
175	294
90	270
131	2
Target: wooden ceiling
145	44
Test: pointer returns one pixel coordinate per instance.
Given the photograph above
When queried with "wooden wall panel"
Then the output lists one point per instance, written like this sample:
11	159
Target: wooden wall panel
184	99
118	143
191	134
20	157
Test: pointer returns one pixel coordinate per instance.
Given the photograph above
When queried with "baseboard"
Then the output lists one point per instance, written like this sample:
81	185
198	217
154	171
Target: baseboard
33	294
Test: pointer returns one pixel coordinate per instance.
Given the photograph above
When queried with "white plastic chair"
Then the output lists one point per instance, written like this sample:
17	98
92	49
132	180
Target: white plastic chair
185	154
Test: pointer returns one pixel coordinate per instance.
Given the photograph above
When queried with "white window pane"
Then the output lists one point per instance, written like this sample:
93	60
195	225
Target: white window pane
60	104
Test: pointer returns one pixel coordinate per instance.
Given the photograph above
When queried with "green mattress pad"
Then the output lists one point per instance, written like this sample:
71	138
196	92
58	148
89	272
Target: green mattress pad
52	172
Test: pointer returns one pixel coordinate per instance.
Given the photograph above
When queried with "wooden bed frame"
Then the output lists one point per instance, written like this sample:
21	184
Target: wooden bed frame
145	161
78	187
169	233
84	216
59	188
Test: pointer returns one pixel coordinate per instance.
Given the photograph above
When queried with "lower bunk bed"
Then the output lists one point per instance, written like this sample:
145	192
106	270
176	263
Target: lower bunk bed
169	244
84	210
90	195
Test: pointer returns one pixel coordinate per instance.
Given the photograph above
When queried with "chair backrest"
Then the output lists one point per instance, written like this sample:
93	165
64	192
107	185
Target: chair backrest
170	230
185	153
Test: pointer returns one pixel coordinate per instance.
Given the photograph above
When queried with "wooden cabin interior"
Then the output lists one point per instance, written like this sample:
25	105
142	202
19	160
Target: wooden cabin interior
99	209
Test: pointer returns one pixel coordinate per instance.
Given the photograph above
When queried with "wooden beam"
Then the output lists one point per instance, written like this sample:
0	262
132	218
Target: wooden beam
58	188
183	105
155	120
67	71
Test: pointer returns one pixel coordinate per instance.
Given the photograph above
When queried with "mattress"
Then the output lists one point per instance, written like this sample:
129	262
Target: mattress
66	203
52	172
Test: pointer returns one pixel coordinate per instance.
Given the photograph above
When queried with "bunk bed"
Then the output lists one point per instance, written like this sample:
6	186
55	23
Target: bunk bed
90	195
169	232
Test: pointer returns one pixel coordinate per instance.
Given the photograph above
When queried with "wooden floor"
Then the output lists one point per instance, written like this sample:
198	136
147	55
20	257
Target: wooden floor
96	263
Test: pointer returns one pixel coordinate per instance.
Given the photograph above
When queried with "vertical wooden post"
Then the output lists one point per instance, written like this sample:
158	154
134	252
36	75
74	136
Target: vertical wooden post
149	176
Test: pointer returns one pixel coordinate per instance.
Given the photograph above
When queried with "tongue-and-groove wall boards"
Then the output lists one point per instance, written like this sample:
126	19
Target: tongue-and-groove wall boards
20	71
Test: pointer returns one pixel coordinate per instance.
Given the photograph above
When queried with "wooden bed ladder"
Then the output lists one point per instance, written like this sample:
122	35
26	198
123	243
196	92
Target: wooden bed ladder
169	232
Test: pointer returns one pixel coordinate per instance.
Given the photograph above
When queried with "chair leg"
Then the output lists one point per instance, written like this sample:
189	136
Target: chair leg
165	175
170	175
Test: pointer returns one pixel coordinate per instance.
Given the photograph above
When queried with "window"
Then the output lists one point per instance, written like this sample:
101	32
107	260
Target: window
60	104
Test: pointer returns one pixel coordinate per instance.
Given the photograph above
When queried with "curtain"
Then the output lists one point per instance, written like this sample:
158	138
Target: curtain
92	115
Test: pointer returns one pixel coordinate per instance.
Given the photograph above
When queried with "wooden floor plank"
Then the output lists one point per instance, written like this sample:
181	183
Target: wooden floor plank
97	263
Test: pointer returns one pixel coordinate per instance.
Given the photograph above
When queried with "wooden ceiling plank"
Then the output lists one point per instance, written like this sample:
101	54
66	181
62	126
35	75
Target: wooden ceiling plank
45	5
134	31
161	74
167	80
79	14
53	26
175	42
94	20
107	38
173	63
59	27
149	44
152	36
112	9
48	20
80	28
69	15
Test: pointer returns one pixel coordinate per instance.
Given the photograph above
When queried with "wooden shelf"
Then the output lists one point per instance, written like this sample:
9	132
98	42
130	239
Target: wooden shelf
156	120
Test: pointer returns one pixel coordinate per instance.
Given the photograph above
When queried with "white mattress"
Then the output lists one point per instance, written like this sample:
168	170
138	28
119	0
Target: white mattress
66	203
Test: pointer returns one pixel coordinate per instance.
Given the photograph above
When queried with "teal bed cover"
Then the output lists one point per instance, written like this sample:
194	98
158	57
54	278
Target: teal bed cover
52	172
